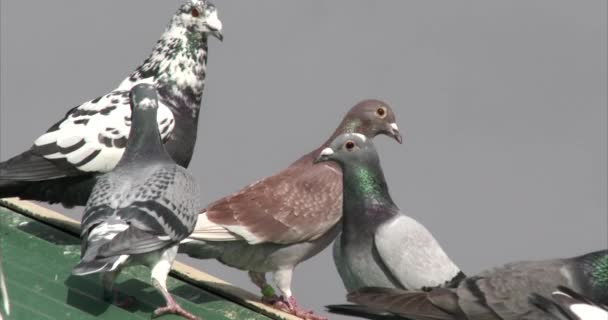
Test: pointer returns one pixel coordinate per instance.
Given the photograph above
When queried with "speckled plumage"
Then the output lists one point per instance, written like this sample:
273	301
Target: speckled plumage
91	138
502	293
139	212
281	220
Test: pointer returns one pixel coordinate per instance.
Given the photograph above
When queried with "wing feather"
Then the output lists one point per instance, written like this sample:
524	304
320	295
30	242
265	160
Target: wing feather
300	203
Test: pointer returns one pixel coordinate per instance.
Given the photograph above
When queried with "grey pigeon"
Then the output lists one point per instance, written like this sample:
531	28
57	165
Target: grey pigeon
140	211
566	304
379	244
62	164
279	221
502	293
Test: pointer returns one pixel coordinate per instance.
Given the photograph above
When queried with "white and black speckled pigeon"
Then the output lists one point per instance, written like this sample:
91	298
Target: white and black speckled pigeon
90	139
140	211
379	244
566	304
277	222
503	293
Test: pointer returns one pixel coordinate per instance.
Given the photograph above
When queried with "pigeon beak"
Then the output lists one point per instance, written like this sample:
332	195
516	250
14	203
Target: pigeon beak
394	131
324	155
214	24
218	34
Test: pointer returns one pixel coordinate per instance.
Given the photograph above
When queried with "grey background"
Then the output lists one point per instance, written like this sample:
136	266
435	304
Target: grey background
502	103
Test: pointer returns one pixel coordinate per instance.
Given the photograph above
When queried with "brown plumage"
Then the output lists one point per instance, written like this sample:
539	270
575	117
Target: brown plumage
299	208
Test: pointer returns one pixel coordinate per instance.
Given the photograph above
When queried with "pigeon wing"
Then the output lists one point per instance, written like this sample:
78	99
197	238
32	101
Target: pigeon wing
92	137
298	204
412	255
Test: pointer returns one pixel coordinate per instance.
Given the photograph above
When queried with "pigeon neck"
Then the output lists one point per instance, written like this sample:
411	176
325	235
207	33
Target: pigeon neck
594	274
600	271
177	65
144	139
366	193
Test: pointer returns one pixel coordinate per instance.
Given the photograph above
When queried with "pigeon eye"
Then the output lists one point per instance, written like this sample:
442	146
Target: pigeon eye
349	145
195	12
381	112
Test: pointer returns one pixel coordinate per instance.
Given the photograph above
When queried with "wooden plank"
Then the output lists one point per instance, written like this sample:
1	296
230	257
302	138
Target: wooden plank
180	270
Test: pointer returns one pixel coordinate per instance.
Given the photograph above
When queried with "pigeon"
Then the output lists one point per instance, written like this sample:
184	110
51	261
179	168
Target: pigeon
504	293
379	245
279	221
62	164
3	292
139	212
570	305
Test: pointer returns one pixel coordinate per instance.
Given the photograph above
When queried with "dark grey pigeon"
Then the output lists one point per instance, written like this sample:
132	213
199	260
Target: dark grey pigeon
566	304
279	221
61	165
379	244
140	211
501	293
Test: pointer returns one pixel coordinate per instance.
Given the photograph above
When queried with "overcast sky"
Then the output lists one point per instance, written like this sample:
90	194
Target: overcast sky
502	105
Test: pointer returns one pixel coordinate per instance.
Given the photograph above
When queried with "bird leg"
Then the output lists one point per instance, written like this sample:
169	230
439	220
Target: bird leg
287	302
268	294
114	296
159	279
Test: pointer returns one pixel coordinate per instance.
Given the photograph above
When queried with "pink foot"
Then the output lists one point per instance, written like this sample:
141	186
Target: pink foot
290	306
174	308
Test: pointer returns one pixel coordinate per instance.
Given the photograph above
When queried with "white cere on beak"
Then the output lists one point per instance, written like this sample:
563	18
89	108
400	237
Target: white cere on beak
327	152
394	126
361	136
147	103
213	21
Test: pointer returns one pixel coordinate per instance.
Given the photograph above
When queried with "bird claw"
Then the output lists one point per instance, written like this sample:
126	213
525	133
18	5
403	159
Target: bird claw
290	306
174	309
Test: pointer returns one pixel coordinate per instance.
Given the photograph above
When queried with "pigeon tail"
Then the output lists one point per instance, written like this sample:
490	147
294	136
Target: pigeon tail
85	267
69	191
360	311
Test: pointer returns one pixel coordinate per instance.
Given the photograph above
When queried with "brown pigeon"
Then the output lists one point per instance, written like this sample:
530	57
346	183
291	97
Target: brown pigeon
279	221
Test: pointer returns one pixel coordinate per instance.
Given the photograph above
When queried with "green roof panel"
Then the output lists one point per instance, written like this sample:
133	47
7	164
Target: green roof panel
38	259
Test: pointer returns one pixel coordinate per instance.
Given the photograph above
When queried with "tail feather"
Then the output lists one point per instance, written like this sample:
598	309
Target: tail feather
98	265
354	310
29	166
69	191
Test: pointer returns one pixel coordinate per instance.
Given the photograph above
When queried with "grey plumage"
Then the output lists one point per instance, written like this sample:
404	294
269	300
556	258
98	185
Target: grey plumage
379	245
63	163
140	211
501	293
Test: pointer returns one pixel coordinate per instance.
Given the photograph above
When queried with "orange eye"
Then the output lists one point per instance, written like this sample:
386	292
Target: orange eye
381	112
195	12
349	145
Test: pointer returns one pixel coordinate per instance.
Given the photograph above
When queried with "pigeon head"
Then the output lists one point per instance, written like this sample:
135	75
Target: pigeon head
349	148
370	118
200	16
